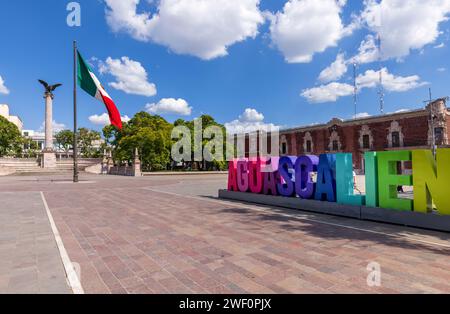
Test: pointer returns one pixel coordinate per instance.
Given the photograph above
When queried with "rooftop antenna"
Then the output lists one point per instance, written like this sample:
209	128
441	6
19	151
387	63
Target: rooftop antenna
380	89
432	119
355	90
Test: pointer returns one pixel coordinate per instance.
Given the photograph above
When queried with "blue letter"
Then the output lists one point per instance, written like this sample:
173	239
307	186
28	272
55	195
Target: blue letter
326	178
286	187
304	185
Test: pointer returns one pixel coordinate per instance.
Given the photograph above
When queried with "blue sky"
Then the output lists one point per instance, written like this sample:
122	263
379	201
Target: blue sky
221	58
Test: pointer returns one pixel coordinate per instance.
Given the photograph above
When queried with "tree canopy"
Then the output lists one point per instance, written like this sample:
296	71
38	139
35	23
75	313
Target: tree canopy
151	135
10	138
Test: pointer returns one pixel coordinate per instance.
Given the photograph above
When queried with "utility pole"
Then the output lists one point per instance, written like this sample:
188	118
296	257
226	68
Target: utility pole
433	132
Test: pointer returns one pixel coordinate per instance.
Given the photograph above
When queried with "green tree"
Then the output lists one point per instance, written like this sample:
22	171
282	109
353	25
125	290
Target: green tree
89	143
207	121
64	140
11	140
150	134
31	148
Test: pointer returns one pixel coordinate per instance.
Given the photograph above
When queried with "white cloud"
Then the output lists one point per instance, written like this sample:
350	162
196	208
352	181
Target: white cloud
442	69
368	51
306	27
391	83
170	106
57	127
335	71
441	45
327	93
361	115
3	88
250	121
103	119
370	79
251	115
202	28
405	25
131	77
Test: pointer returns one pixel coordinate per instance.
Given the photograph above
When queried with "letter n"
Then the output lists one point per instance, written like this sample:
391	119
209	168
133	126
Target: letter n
431	181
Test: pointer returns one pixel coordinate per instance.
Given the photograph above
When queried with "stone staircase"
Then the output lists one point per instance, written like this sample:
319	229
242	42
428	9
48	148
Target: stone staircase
23	166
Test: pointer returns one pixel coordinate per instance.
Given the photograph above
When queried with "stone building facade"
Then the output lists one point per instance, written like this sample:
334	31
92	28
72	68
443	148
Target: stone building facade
4	112
397	131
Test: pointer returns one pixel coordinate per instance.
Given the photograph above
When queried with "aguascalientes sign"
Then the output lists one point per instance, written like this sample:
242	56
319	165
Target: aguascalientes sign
292	177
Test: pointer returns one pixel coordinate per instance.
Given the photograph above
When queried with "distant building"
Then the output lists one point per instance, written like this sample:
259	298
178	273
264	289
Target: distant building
37	137
397	131
4	112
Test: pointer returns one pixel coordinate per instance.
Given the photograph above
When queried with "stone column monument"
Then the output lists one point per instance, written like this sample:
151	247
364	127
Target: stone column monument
48	154
136	172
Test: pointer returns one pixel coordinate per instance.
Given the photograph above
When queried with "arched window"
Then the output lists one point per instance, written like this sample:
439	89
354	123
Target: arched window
365	138
284	148
395	136
335	142
308	144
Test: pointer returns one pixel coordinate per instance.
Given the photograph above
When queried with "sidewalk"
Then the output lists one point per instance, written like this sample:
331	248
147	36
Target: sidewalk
30	260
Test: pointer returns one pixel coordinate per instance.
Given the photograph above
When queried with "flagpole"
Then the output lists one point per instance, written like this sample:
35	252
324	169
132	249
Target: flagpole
75	137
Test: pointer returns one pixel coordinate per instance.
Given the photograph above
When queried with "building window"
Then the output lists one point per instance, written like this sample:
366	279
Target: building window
284	148
308	146
335	142
395	136
395	139
365	138
439	135
366	141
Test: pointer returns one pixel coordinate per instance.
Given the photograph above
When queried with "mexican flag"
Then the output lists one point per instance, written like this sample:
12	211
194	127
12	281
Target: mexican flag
91	85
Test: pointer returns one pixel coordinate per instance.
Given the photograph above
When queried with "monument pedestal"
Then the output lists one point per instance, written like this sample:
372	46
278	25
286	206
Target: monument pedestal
48	160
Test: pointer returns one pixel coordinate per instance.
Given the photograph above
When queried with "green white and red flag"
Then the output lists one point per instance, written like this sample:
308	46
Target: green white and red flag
91	85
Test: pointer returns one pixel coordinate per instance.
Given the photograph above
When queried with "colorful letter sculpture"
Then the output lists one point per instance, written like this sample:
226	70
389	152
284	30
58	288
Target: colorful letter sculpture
305	166
345	185
232	176
371	165
270	183
293	177
286	187
242	175
326	178
431	181
255	175
389	180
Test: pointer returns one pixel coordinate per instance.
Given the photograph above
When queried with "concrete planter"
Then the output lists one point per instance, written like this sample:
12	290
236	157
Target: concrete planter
411	219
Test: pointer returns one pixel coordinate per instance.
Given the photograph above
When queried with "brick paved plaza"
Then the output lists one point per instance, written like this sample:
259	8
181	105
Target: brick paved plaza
170	234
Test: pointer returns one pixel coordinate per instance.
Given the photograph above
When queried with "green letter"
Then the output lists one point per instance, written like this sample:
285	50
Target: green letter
389	180
431	181
371	166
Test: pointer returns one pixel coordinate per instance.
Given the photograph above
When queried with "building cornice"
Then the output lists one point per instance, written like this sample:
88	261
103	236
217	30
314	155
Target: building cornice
360	121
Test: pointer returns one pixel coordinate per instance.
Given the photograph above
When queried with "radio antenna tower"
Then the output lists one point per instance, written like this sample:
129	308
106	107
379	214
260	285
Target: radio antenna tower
380	89
355	90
